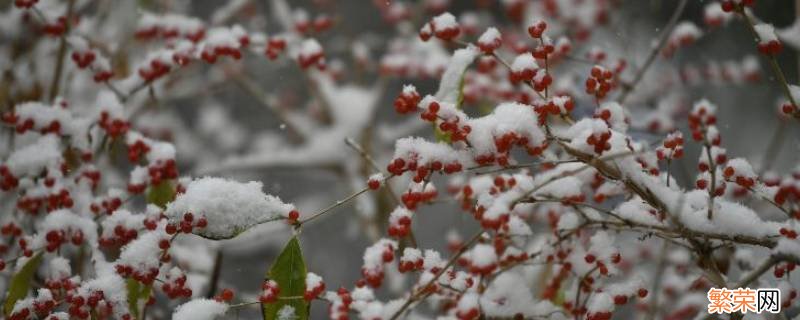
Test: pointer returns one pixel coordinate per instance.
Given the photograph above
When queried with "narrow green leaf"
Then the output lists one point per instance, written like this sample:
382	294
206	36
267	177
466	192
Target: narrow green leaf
161	194
21	283
289	271
460	99
137	293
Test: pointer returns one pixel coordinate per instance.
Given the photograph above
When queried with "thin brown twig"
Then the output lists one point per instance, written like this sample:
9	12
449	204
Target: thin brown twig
425	293
62	52
673	20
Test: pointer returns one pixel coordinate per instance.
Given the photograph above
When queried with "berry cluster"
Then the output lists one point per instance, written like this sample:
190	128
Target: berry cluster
122	235
314	286
731	5
784	269
311	54
175	284
187	224
417	194
114	127
55	238
226	295
340	304
443	26
399	223
407	101
411	260
490	40
107	205
40	307
155	69
788	233
372	270
90	303
672	147
275	46
320	23
25	4
599	139
768	44
744	178
269	291
600	82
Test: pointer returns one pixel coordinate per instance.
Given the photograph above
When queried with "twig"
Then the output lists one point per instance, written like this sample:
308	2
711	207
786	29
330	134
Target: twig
248	86
414	297
62	52
661	264
355	146
673	20
776	68
335	205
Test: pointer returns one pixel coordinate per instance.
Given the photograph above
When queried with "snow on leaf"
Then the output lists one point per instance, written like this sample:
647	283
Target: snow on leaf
451	84
230	207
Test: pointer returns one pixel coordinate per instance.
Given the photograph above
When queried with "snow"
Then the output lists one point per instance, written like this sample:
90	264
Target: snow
310	48
685	30
766	32
123	218
230	207
411	254
445	21
483	255
600	302
373	255
729	218
426	152
143	254
312	281
505	118
30	160
451	79
67	221
58	268
200	309
509	295
741	167
491	35
523	62
433	259
113	287
788	247
286	312
637	210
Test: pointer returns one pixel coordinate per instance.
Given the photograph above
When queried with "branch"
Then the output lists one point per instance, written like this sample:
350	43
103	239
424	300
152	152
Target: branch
412	298
626	90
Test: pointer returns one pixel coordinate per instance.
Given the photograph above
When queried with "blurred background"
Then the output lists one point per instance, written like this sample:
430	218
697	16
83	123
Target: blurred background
240	114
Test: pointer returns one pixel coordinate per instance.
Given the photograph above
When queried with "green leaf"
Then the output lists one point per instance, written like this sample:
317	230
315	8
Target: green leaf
136	294
21	283
161	194
440	135
460	99
289	271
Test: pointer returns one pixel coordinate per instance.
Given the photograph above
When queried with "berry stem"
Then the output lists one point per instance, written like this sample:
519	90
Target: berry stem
776	68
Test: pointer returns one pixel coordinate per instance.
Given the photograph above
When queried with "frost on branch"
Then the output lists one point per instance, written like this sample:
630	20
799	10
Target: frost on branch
229	207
